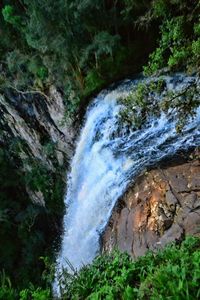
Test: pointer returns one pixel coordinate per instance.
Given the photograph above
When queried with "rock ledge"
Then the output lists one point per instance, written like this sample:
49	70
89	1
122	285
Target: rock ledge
162	206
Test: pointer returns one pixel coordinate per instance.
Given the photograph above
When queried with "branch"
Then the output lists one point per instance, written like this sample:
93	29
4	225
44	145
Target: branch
29	92
185	91
181	93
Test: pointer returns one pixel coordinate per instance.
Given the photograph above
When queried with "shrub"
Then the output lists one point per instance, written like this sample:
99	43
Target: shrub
172	273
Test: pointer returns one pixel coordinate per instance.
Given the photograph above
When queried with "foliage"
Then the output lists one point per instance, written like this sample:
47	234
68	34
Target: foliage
27	229
172	273
183	103
6	290
35	294
93	81
80	46
141	102
151	98
93	42
178	44
10	17
78	52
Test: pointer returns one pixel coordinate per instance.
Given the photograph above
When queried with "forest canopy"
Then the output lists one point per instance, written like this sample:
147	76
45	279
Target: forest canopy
81	46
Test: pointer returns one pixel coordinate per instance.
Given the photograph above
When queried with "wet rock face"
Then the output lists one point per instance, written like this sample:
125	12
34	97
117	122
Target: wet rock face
162	206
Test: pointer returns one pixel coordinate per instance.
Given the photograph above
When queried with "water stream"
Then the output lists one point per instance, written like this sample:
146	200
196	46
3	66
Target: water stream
107	158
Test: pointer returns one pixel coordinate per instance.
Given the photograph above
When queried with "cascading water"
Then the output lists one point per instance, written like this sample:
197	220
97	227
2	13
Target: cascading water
107	158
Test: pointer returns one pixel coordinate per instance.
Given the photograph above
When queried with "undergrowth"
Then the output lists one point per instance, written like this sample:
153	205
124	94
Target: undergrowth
172	273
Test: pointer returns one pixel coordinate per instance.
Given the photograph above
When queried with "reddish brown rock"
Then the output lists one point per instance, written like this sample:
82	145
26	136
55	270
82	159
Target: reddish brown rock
162	206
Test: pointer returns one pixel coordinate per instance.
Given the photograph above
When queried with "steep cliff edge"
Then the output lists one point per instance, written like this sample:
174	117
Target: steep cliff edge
35	122
36	144
162	206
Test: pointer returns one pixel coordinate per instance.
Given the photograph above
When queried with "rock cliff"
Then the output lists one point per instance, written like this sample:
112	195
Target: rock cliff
36	122
162	206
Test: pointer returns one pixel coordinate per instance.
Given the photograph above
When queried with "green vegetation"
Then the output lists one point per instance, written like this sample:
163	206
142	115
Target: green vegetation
27	229
141	102
177	50
179	44
171	273
7	292
79	47
151	98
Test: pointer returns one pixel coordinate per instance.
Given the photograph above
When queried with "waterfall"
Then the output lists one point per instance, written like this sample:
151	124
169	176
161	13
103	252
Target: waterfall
108	156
